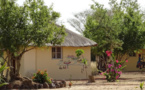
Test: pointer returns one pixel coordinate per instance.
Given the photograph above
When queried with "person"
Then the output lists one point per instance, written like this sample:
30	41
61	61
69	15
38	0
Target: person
139	63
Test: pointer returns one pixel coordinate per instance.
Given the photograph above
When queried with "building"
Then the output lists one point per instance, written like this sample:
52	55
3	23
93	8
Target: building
56	59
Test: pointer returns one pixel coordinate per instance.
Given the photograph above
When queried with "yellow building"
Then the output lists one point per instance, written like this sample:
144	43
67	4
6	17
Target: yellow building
132	61
56	59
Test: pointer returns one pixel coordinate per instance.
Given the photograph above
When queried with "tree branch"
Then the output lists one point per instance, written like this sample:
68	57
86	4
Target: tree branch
25	51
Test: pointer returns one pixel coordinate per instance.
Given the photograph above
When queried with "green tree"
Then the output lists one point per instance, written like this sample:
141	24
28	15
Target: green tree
120	29
132	28
102	27
32	24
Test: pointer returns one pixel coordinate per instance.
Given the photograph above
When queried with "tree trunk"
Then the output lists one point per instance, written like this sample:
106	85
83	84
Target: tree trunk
14	64
16	70
12	69
9	64
18	65
102	62
97	61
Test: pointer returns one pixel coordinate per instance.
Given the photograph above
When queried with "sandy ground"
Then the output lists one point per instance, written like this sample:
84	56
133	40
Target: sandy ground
127	81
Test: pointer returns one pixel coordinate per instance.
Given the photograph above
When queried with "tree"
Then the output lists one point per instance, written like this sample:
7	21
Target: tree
79	20
132	28
120	29
101	27
32	24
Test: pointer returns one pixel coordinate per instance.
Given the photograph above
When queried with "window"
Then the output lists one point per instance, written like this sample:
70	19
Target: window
132	54
56	52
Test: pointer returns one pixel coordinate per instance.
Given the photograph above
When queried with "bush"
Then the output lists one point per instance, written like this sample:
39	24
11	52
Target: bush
79	52
2	81
114	70
41	77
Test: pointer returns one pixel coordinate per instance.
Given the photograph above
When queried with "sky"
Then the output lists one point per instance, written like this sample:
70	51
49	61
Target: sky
67	8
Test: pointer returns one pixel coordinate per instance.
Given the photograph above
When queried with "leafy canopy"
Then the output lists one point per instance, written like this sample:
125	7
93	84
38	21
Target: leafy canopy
31	24
25	27
121	28
101	27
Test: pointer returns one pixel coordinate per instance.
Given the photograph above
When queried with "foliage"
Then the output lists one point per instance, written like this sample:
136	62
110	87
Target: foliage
121	27
132	28
84	61
103	27
114	69
79	52
42	77
70	82
2	81
141	86
32	24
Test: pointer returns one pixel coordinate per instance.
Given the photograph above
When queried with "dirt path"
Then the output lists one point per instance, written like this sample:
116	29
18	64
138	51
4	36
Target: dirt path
127	81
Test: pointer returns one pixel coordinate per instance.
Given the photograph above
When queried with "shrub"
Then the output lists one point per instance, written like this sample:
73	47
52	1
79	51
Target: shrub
114	70
41	77
79	52
2	81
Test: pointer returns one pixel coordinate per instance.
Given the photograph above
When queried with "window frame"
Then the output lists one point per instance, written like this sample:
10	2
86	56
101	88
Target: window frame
55	52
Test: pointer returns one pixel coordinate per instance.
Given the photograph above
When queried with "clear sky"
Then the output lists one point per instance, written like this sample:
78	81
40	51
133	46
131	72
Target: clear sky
67	8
